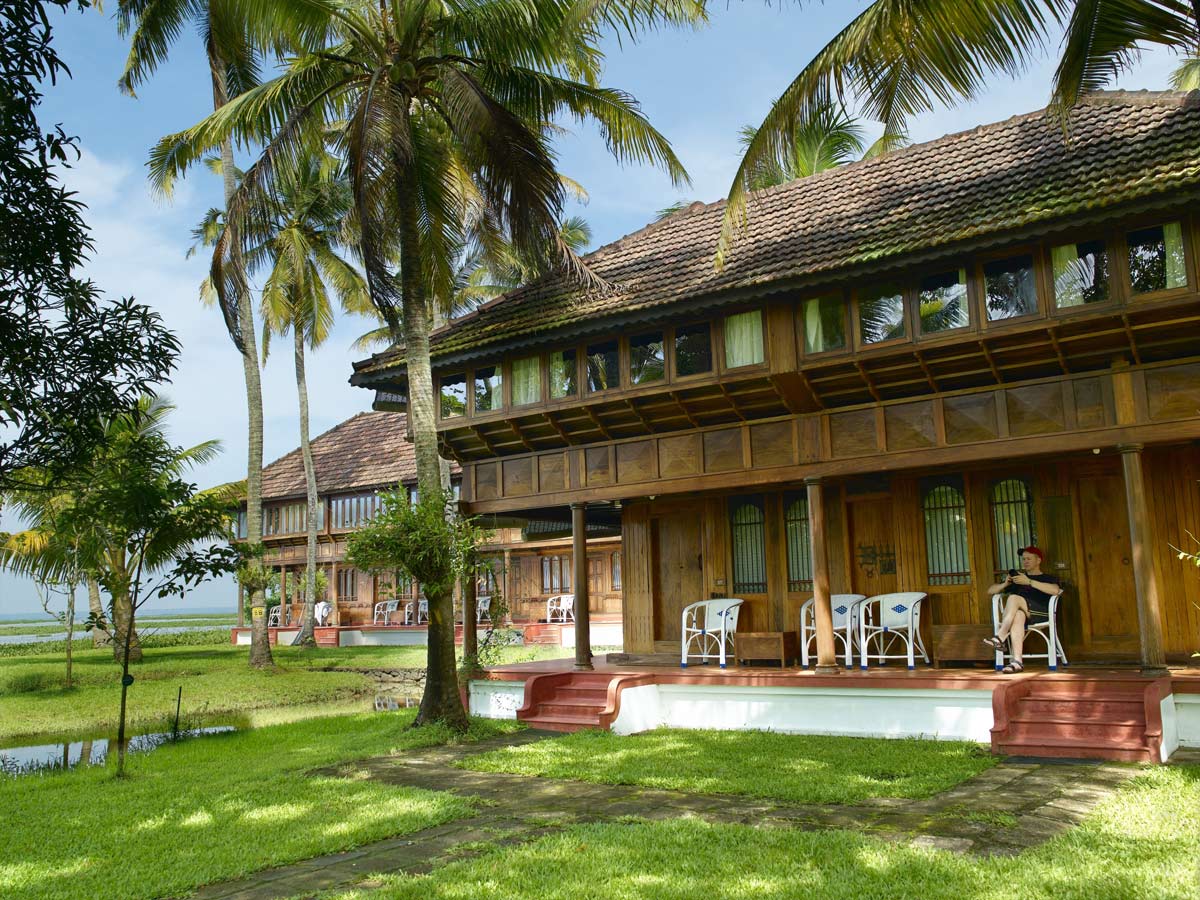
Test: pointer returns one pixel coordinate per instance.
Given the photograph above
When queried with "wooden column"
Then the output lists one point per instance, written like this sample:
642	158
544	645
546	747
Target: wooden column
470	643
506	596
333	592
1154	661
284	600
583	634
822	609
241	606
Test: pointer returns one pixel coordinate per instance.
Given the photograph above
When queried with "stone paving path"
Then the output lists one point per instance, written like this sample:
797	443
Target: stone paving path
1004	810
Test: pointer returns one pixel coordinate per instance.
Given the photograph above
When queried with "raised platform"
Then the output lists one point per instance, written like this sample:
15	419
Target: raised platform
1084	713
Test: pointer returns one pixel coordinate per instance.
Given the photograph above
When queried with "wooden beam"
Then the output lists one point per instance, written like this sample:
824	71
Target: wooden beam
512	423
637	412
553	423
987	354
596	421
867	381
925	369
788	404
583	632
483	438
1133	348
674	395
1141	535
732	402
811	388
1062	360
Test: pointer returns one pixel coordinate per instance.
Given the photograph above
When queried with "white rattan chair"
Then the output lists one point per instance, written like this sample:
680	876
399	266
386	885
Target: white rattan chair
483	608
708	630
845	625
273	617
1046	629
422	610
560	608
891	621
384	610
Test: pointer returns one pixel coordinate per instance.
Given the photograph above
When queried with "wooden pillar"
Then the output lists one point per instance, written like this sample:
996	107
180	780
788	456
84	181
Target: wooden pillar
1154	661
285	603
470	644
822	609
583	634
333	592
506	597
241	606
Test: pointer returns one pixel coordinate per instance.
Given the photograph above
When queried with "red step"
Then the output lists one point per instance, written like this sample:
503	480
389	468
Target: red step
1104	709
566	701
1069	748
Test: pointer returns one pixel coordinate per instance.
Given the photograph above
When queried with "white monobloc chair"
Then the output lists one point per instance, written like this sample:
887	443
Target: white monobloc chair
1046	629
708	630
560	608
384	610
845	624
892	622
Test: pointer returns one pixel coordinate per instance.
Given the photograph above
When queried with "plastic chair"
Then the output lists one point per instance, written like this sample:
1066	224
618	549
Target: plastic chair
273	618
1046	629
384	610
560	608
483	608
422	610
891	620
710	625
845	624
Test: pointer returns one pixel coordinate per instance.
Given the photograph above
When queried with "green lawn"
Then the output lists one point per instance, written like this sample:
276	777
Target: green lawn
786	767
1142	843
210	809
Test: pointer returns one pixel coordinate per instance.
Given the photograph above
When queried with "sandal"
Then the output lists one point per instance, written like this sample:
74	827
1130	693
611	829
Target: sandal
994	642
1014	667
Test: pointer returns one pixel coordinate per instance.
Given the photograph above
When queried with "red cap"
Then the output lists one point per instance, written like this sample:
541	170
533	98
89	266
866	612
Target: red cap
1036	551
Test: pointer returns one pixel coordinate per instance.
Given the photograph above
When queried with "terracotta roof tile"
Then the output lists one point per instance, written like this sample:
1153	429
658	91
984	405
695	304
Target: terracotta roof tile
990	180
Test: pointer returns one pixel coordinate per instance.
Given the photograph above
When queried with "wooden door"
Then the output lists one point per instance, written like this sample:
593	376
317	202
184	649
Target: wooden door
679	569
1108	605
872	546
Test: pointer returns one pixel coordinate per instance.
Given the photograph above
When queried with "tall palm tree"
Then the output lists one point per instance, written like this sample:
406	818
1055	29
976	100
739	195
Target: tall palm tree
903	57
233	33
410	80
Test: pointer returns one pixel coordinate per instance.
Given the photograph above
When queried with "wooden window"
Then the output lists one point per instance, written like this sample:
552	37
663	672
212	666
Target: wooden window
289	518
347	586
647	359
1010	290
744	339
526	380
748	539
489	389
563	375
1080	274
942	303
354	511
453	391
603	370
240	528
693	349
616	571
881	313
799	545
556	574
485	576
1156	258
1012	521
945	510
824	324
595	569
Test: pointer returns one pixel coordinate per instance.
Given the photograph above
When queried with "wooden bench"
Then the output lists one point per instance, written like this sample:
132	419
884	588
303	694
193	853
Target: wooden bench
781	645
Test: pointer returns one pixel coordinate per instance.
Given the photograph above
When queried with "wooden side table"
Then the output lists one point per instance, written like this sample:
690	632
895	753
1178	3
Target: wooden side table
961	643
781	645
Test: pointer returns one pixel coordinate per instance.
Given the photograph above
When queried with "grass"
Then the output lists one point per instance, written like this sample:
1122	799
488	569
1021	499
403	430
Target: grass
211	809
784	767
1143	842
217	683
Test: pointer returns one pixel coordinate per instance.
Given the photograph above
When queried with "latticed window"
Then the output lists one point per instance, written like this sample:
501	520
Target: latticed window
945	510
749	558
556	574
1012	521
799	546
347	584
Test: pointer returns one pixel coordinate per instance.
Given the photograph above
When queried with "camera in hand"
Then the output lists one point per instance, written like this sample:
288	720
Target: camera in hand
1013	573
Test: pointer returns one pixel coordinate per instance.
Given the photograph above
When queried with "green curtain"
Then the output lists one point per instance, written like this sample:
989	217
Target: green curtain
743	339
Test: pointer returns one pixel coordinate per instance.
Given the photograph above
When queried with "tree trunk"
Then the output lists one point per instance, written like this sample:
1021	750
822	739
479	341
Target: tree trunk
96	608
70	631
441	700
260	643
307	638
122	611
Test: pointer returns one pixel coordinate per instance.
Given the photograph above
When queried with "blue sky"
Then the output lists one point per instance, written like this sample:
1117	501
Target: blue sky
697	87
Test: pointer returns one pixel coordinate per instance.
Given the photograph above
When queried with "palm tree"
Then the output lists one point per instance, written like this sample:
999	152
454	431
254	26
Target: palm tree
901	58
409	81
1186	76
232	32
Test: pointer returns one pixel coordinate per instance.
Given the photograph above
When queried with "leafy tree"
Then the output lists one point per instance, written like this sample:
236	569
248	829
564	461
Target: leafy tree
899	58
68	357
407	82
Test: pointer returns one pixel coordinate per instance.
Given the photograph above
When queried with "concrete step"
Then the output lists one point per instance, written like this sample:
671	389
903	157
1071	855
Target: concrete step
583	692
1037	730
1082	707
557	707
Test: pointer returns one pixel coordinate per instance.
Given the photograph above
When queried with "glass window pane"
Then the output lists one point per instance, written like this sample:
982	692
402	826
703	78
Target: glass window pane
1012	521
749	558
526	380
881	313
824	324
602	367
454	395
646	359
562	374
693	349
1009	287
1156	260
945	511
943	301
743	339
799	547
488	389
1080	274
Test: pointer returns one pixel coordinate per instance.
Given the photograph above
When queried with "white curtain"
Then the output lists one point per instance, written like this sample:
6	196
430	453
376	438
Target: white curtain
1176	270
743	339
526	381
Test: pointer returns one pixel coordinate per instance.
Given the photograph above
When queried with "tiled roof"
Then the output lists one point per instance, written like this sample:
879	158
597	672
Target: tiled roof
367	450
962	188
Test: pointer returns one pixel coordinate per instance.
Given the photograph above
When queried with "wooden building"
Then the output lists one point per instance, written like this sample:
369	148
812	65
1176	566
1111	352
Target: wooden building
909	368
368	454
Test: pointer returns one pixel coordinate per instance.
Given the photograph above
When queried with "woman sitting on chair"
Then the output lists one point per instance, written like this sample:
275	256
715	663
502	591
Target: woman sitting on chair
1029	593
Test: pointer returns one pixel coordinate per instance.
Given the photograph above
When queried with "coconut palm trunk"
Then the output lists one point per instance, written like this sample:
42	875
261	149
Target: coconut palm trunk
307	638
96	608
123	629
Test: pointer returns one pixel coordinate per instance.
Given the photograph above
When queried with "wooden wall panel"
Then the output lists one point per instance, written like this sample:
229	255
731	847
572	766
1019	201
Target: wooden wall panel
1173	392
552	472
723	450
910	426
853	433
636	462
597	470
971	417
772	444
487	480
1035	409
679	455
1173	493
518	477
636	571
